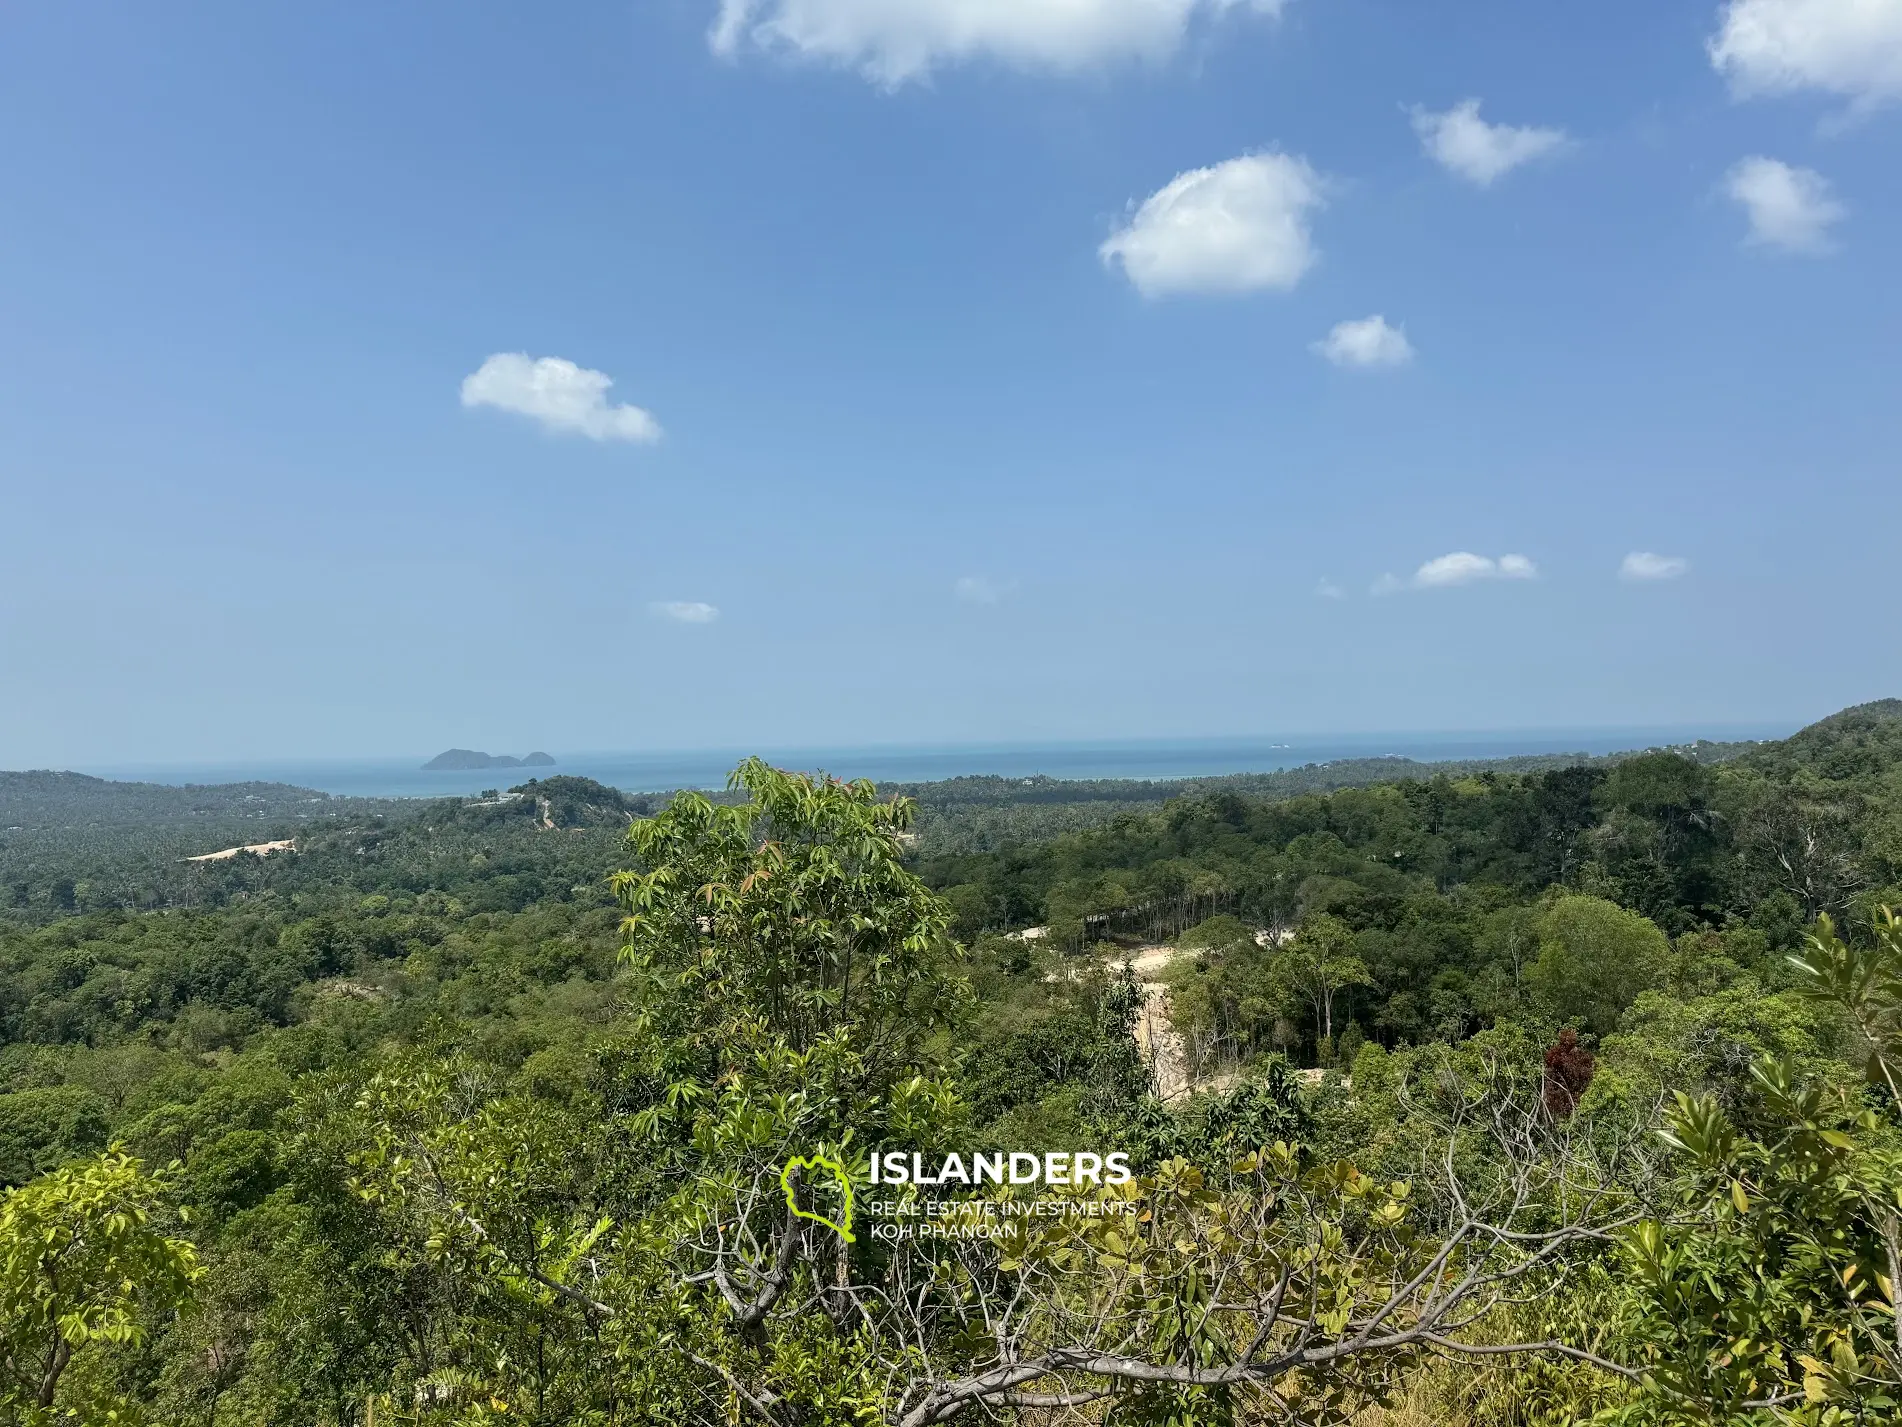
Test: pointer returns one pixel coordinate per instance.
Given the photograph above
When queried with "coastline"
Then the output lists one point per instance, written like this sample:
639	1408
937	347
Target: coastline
1134	760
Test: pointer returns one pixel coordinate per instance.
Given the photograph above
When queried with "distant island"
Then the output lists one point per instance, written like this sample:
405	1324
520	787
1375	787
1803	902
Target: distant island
461	760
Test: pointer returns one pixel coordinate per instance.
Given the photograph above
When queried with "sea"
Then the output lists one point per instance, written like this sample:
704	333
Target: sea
662	771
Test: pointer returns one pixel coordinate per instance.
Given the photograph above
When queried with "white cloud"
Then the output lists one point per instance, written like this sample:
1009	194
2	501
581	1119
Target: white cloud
1847	47
1238	226
1462	142
1328	590
1642	565
1462	567
686	611
891	41
981	589
1369	342
1789	208
558	394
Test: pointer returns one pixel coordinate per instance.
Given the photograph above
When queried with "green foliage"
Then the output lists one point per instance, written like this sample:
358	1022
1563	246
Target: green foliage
988	814
1217	934
464	1133
1230	1002
1530	1389
1265	1109
1865	982
83	1263
794	908
1773	1294
1318	964
45	1127
1594	959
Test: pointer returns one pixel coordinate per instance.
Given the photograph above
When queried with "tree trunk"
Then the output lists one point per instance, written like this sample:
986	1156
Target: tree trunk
55	1368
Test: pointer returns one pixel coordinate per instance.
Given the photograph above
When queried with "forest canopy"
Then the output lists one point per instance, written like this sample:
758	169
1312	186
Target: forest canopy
1483	1094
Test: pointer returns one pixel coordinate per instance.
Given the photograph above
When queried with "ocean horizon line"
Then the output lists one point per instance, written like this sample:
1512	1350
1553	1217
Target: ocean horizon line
1156	759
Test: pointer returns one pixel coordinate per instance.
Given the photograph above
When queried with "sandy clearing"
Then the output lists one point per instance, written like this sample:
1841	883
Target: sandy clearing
1156	1038
256	849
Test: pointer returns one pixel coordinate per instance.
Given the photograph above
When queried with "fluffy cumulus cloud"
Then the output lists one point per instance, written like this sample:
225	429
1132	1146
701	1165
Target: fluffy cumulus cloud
686	611
1239	226
558	394
1789	208
1641	566
1463	143
1368	342
1847	47
892	41
1462	567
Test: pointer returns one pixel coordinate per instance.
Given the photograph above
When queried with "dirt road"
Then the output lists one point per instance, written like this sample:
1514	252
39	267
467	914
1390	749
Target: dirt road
1156	1038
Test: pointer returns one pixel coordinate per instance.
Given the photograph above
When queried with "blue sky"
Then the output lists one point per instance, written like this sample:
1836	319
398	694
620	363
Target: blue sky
1011	366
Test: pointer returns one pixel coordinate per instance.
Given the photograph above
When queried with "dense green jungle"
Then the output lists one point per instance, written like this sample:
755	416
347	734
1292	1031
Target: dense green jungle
1531	1092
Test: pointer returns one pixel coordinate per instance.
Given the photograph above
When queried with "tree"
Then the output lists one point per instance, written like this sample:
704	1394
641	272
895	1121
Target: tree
1319	962
1276	1288
1802	840
638	1245
1773	1288
795	908
1568	1074
1594	959
82	1262
1275	1278
651	1253
44	1127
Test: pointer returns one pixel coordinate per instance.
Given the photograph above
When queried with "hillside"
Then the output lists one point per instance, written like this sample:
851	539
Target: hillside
986	814
1859	744
426	1045
70	842
45	799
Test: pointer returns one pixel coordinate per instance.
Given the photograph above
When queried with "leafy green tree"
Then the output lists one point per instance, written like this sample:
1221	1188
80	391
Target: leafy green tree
43	1127
794	907
1771	1294
1594	958
1224	1001
629	1248
83	1262
1318	964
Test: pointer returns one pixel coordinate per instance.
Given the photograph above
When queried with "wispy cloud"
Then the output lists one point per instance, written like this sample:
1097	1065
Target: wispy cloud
1328	590
1462	567
1789	208
893	41
1642	566
558	394
1366	342
1237	226
982	589
686	611
1463	143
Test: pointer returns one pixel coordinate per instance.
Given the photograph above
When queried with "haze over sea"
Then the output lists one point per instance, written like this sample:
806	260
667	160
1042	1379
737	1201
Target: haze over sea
637	772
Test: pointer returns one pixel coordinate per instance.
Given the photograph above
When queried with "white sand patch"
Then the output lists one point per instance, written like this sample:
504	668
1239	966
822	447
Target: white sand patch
256	849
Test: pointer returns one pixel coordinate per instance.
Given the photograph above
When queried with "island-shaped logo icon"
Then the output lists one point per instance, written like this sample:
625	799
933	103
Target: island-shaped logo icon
819	1163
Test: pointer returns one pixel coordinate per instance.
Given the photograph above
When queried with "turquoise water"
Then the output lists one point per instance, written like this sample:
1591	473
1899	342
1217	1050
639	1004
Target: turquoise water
639	772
